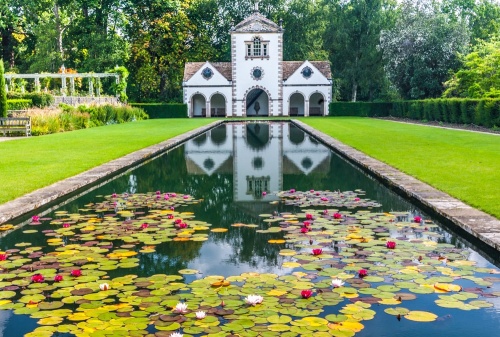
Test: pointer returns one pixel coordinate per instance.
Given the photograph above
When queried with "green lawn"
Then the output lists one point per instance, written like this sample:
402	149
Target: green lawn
463	164
31	163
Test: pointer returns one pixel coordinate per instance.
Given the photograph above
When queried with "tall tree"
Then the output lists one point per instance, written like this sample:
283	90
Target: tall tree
422	49
3	91
351	38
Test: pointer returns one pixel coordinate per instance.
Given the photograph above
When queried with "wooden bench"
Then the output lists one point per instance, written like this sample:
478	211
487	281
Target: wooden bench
11	125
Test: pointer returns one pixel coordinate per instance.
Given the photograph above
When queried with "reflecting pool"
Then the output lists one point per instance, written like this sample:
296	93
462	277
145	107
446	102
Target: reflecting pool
235	188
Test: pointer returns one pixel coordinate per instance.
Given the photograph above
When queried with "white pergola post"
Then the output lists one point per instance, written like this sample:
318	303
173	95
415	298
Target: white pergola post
91	87
72	86
37	84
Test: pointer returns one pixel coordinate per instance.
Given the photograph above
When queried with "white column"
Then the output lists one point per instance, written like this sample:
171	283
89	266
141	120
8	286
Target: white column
72	85
91	87
306	108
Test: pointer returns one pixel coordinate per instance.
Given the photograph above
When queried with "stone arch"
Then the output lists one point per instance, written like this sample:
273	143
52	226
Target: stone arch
296	104
218	105
198	105
296	135
317	104
256	94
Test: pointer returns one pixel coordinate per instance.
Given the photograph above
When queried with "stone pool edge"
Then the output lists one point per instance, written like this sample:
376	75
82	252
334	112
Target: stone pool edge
475	222
46	195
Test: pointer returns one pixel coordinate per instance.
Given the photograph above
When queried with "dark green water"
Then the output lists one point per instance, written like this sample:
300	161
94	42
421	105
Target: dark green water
229	167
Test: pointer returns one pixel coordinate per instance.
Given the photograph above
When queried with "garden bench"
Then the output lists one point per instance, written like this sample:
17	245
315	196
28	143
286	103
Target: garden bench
10	125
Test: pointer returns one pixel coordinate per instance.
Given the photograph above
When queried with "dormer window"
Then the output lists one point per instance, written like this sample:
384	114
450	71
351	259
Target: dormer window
257	48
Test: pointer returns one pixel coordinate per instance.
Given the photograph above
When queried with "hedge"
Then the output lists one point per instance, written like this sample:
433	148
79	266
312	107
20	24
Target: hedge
18	104
39	99
362	109
483	112
163	110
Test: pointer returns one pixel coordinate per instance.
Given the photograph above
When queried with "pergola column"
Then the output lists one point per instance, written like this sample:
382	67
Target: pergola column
91	87
63	86
37	84
72	86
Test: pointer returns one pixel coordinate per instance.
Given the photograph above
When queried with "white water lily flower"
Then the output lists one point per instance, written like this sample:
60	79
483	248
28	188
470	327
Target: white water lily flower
254	299
337	283
181	308
104	286
200	314
176	334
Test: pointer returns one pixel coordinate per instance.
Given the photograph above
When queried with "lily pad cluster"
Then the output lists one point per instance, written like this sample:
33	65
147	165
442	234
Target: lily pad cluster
342	257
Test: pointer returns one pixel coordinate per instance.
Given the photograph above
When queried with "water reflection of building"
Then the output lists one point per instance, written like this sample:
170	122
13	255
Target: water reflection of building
258	155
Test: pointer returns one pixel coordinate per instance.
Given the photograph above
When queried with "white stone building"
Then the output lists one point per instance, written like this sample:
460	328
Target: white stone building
257	82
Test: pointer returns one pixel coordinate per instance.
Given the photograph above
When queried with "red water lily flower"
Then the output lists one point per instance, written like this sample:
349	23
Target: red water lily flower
306	293
390	244
417	219
307	223
65	225
362	273
3	257
317	251
158	192
304	230
177	221
337	216
144	226
113	195
309	216
37	278
170	216
292	190
58	278
264	193
76	272
182	225
35	218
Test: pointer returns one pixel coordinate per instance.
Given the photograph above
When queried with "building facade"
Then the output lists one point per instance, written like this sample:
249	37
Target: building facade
257	82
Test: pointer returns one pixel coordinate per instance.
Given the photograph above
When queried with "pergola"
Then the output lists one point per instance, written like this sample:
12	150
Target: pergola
64	77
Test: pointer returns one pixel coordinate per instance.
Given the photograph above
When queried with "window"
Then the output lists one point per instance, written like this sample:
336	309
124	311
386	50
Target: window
249	49
256	47
264	49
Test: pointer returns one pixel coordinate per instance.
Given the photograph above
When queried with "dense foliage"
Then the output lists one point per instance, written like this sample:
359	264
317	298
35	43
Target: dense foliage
379	49
163	110
39	100
3	93
18	104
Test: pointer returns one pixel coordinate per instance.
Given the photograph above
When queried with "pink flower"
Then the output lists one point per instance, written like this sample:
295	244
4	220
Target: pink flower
35	218
182	225
417	219
337	216
264	193
172	208
65	225
177	221
325	212
390	244
357	199
144	226
185	196
37	278
113	195
309	216
3	257
76	272
304	230
307	223
58	278
312	191
306	293
166	197
292	190
362	273
324	199
158	192
173	195
317	251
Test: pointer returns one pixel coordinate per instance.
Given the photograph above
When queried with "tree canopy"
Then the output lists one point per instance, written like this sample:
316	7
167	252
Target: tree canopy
378	49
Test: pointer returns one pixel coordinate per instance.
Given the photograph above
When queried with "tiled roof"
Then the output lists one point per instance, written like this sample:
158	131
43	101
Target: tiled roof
257	23
222	67
289	67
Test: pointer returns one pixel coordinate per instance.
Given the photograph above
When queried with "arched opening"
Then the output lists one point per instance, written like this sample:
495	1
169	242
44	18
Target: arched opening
257	135
317	104
296	135
198	106
257	103
218	106
296	105
218	135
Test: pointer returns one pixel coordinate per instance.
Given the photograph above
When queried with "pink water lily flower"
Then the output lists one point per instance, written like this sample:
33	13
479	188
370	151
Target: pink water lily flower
292	190
76	273
264	193
58	278
337	215
182	225
65	225
304	230
362	273
317	251
158	192
144	226
37	278
325	212
113	195
306	293
3	257
170	216
417	219
35	218
390	244
166	197
177	221
309	216
357	199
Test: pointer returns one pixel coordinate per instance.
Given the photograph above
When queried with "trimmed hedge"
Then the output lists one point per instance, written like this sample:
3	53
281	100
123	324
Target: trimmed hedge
19	104
362	109
483	112
163	110
39	99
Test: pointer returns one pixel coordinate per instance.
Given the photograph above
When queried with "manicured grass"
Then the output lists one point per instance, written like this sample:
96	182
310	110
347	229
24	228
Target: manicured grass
31	163
463	164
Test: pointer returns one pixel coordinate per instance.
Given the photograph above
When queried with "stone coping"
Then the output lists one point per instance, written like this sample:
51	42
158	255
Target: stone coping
475	222
46	195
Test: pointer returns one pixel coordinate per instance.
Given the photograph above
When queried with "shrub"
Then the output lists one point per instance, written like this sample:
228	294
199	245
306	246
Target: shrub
18	104
39	100
361	109
3	92
163	110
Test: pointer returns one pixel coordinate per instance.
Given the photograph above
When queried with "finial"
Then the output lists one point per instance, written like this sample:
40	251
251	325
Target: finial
281	23
256	6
